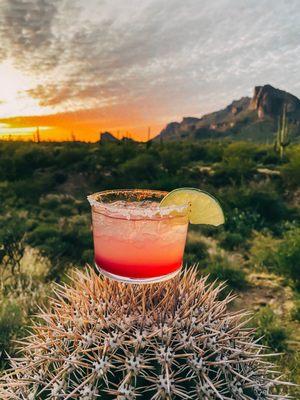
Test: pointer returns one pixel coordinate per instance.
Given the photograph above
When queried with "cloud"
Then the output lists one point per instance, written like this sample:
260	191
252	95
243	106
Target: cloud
26	31
52	94
192	56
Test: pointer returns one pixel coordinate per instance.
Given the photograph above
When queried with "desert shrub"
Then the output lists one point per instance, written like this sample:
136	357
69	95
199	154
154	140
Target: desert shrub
233	170
237	164
53	201
290	362
262	251
295	314
270	328
30	190
270	158
220	268
165	182
288	255
268	204
172	159
232	241
195	252
61	204
64	244
69	157
29	159
291	170
7	167
60	177
11	323
213	151
280	256
21	303
13	230
261	204
242	150
118	153
143	167
241	222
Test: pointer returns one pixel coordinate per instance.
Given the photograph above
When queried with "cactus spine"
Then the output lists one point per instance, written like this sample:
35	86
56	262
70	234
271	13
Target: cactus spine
174	340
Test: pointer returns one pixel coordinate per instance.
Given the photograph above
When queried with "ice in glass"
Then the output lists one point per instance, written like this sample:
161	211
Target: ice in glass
135	240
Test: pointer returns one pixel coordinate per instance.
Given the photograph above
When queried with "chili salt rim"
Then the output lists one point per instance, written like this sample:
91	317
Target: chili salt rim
133	212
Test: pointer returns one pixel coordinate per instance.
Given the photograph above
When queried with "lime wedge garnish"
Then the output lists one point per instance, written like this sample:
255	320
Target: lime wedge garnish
204	208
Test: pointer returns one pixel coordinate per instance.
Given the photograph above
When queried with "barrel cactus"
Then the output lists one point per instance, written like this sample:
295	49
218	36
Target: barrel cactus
174	340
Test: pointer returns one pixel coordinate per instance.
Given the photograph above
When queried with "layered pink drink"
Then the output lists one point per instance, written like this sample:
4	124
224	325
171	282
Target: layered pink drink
134	239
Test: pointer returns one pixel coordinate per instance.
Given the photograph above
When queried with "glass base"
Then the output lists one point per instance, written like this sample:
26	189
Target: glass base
124	279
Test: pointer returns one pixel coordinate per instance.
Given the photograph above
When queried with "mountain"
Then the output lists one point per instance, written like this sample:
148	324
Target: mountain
107	137
254	119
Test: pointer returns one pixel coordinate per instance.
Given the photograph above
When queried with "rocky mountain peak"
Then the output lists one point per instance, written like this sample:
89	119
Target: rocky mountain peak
269	101
248	118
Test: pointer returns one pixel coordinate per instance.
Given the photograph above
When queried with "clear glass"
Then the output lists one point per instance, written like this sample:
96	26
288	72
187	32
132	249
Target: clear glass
134	239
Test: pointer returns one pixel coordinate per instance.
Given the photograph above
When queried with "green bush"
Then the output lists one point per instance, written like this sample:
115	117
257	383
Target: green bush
232	241
219	268
64	243
241	221
195	252
270	329
172	160
288	255
280	256
256	205
11	323
29	191
291	170
295	314
143	167
262	251
13	230
237	164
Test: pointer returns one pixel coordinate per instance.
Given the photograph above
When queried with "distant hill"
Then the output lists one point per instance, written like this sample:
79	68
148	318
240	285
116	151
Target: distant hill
109	137
253	119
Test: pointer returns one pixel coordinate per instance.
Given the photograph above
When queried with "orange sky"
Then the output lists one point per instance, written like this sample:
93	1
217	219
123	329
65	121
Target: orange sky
83	125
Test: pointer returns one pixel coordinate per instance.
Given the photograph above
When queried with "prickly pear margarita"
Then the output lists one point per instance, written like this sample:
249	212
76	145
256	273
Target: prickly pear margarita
136	240
139	235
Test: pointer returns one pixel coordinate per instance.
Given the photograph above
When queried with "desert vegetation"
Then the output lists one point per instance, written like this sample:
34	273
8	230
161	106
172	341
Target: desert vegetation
45	224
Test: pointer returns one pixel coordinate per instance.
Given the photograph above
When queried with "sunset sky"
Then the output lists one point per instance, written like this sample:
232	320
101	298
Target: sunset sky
85	66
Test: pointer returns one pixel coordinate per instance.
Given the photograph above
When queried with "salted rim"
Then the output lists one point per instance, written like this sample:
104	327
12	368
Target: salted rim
112	210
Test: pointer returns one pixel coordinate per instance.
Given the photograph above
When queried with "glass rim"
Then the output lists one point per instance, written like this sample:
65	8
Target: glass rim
98	204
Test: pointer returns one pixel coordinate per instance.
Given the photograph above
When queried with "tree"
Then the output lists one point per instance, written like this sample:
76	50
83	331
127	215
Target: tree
12	246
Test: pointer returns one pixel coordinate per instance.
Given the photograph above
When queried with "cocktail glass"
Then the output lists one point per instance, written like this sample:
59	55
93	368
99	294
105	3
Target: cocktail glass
134	239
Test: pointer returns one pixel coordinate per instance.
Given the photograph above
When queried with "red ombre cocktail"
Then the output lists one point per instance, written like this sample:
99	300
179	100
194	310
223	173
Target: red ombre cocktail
135	240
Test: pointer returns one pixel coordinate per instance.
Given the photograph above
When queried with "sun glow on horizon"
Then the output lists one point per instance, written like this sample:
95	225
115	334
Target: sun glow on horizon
14	99
20	114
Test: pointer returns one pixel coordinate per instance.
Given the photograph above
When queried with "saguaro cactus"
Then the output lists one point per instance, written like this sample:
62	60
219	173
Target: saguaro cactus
174	340
282	138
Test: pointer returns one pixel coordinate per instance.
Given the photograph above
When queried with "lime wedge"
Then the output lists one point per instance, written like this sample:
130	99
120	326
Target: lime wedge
204	208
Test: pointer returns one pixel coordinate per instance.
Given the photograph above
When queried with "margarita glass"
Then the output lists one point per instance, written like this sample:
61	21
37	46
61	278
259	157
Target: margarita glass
136	240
